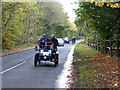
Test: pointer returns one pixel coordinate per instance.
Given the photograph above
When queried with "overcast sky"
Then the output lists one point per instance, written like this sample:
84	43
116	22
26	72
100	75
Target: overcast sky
68	6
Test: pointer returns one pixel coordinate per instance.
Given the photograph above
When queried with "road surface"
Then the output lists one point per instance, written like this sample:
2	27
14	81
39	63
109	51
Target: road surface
18	70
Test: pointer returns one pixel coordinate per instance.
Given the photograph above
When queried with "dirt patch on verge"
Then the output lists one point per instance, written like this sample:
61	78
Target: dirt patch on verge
107	74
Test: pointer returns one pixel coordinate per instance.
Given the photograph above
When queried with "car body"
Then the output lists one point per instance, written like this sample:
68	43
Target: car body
60	42
66	40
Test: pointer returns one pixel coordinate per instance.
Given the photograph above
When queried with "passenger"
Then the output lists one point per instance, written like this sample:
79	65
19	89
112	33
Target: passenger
54	40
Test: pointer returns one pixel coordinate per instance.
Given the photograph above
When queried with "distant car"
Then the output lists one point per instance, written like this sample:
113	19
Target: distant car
60	42
66	40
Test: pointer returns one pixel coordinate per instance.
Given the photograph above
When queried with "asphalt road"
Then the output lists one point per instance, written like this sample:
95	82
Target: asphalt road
18	70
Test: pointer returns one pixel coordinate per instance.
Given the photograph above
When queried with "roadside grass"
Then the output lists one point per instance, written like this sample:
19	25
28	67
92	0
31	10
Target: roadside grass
84	50
82	67
92	69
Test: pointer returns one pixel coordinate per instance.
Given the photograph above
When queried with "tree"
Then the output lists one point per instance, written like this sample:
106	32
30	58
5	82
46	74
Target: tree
101	21
25	22
98	23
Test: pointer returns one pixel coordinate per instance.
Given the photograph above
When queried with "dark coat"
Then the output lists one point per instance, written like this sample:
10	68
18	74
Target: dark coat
55	41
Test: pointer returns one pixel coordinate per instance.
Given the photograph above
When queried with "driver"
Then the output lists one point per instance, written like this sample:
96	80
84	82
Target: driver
44	39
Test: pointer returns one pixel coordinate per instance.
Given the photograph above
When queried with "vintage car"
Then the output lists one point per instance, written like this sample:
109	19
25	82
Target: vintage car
46	52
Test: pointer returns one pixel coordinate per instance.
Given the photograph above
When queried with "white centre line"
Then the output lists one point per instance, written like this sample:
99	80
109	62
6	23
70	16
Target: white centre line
12	67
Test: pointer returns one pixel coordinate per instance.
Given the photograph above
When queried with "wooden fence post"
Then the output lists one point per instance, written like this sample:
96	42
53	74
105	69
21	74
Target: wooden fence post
105	47
88	43
117	43
98	45
110	48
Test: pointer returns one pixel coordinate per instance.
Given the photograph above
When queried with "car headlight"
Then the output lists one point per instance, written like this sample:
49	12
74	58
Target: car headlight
57	52
41	51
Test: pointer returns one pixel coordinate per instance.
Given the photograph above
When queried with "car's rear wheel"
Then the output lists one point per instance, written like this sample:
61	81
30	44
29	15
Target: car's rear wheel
56	60
55	63
39	61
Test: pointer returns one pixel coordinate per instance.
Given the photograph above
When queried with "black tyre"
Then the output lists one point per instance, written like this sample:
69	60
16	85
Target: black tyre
55	64
56	61
57	58
39	61
35	60
35	63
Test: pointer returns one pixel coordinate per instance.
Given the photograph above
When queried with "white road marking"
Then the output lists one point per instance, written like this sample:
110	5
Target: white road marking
12	67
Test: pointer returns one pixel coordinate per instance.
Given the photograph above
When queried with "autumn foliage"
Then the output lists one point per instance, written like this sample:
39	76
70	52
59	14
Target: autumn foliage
110	4
107	73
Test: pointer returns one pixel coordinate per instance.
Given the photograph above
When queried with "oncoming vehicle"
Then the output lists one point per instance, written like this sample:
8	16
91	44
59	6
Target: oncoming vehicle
73	40
60	42
66	40
46	52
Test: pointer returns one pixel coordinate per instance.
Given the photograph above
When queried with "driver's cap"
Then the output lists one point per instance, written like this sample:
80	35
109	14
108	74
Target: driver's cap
44	35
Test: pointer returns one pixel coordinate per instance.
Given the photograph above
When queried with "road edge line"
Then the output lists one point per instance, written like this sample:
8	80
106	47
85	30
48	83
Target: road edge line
67	65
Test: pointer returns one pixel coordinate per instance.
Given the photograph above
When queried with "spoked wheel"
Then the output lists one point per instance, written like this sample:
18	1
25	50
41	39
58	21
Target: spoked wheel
56	60
39	61
35	63
35	60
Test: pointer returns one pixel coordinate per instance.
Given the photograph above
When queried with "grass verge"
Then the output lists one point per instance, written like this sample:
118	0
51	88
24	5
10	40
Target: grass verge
92	69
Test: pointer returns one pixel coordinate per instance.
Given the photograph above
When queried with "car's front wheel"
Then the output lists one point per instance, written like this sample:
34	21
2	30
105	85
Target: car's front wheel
35	60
